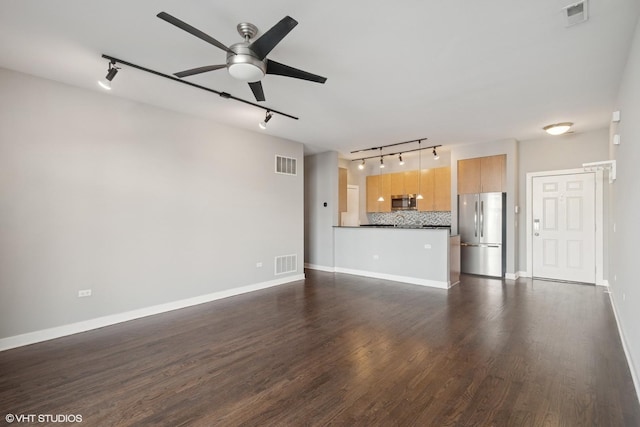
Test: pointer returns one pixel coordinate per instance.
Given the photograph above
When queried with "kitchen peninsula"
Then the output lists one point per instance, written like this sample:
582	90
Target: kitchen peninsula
417	255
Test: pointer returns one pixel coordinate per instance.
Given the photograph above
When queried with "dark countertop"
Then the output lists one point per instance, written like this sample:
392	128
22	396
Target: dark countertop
403	226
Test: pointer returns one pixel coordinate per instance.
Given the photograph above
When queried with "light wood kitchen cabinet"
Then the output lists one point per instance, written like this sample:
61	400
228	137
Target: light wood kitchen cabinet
442	189
426	189
411	182
482	175
342	189
493	174
435	185
397	183
379	185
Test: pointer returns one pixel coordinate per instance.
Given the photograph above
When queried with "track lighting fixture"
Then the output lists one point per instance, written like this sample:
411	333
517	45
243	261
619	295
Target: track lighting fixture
111	73
558	128
267	117
419	196
381	162
361	165
400	160
435	154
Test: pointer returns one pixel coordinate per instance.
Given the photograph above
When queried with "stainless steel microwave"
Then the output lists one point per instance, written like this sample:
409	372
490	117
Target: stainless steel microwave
403	202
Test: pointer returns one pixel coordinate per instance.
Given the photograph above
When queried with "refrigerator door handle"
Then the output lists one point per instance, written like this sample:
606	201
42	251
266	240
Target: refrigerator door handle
475	221
482	218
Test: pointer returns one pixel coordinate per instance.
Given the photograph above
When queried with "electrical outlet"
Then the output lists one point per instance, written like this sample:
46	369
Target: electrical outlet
258	265
427	246
84	293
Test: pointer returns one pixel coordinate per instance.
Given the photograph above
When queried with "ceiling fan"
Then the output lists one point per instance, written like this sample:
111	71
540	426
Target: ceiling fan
247	61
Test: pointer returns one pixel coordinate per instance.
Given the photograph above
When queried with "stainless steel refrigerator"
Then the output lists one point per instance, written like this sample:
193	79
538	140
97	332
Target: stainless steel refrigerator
482	233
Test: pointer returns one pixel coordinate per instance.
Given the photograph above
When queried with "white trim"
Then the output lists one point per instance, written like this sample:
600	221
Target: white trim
395	278
599	233
319	267
634	374
604	283
100	322
523	274
512	276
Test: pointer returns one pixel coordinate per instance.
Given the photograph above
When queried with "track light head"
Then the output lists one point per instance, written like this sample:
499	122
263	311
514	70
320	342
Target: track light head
267	117
400	159
361	165
435	154
381	162
111	73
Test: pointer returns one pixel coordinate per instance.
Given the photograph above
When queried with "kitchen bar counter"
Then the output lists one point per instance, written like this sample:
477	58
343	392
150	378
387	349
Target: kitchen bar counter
421	256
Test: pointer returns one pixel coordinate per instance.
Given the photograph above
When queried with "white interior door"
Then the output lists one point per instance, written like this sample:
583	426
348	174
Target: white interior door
563	227
350	217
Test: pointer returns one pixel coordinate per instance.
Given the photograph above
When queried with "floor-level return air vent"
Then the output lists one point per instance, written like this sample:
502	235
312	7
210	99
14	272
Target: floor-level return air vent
286	165
286	264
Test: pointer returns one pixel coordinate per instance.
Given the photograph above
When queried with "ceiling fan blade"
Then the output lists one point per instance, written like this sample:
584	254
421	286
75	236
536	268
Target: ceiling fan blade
199	70
271	38
279	69
256	88
192	30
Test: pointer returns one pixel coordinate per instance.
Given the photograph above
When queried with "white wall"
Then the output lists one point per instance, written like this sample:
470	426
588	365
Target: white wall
320	187
625	212
555	153
142	205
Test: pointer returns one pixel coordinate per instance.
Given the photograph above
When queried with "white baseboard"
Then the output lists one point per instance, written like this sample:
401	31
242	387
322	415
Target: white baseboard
319	267
100	322
523	274
512	276
604	283
634	374
393	277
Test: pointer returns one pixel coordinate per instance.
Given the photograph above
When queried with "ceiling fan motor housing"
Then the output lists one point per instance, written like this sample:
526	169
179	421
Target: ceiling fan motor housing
244	65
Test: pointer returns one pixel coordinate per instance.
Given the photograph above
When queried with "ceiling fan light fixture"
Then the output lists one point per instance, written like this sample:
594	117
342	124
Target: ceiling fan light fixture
558	128
246	72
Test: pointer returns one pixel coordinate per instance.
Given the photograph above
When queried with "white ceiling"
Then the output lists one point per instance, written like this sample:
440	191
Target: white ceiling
451	71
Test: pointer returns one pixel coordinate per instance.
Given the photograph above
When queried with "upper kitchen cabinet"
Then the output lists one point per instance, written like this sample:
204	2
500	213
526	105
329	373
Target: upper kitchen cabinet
379	185
442	189
397	183
435	186
482	175
411	182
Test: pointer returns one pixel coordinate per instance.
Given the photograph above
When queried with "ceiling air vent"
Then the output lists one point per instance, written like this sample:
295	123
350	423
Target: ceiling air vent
576	13
286	165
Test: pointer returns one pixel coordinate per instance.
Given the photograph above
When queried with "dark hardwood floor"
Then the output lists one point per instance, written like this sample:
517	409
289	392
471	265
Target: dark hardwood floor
343	350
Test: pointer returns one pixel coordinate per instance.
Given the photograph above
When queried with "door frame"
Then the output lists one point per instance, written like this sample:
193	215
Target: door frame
599	232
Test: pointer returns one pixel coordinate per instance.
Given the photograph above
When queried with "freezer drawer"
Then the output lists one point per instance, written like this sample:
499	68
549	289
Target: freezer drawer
485	260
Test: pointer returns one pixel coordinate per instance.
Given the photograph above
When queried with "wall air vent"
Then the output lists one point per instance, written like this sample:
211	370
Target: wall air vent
286	264
576	13
286	165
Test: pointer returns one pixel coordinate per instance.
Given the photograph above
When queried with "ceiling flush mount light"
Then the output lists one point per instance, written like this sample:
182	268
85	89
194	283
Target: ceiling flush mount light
558	128
267	117
361	165
111	73
435	154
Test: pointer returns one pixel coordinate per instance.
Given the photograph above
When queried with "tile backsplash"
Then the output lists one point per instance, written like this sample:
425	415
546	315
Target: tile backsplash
410	217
